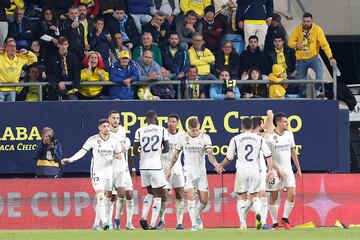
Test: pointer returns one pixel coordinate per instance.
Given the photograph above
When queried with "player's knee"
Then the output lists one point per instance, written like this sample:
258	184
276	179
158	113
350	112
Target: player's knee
129	195
100	197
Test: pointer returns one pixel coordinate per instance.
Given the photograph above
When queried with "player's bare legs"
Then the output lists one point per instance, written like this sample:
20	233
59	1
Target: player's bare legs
288	206
179	196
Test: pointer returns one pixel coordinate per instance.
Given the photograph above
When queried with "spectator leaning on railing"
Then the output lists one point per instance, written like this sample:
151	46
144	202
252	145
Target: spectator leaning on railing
307	38
125	72
11	64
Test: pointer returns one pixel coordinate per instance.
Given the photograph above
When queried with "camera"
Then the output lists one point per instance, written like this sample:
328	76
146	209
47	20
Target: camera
52	139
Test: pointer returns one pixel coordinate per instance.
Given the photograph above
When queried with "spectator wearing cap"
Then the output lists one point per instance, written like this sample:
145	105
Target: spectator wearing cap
202	58
124	24
196	5
124	72
188	27
100	40
147	44
140	11
254	16
176	58
212	29
11	64
306	39
20	29
170	8
275	29
94	71
159	28
3	23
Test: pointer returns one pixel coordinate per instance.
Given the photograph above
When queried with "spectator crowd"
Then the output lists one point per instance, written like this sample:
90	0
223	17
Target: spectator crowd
146	41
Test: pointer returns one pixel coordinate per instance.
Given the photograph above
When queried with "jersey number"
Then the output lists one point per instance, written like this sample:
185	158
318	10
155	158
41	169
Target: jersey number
153	140
250	149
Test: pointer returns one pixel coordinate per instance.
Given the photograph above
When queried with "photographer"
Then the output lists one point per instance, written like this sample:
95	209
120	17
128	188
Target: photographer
226	91
48	155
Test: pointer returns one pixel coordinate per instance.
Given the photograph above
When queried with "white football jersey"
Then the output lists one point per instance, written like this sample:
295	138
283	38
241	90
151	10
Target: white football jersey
150	138
103	155
194	150
166	157
249	147
280	146
120	136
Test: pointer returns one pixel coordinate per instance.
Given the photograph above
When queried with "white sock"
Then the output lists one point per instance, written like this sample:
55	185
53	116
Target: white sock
155	211
264	209
119	207
200	207
179	210
146	205
192	211
257	205
97	219
100	208
111	210
129	211
107	210
288	206
274	213
162	211
248	205
241	210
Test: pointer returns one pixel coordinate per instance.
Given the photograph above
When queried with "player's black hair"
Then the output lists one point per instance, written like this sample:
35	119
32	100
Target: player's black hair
151	117
247	123
277	117
174	115
257	121
113	112
102	121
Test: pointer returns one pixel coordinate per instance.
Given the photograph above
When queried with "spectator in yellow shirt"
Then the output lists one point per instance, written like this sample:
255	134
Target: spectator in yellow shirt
306	39
197	5
11	64
94	72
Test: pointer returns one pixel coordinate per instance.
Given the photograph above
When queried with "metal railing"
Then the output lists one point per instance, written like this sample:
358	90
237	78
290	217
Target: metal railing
177	83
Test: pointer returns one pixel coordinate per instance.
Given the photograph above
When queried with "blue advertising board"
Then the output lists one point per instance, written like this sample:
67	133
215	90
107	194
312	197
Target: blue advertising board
315	125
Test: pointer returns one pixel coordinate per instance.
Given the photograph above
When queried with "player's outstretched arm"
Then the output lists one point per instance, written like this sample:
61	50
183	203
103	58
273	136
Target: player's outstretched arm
75	157
296	162
269	125
166	147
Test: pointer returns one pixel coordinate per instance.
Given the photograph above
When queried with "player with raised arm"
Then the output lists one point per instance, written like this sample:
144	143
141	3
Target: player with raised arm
195	145
122	178
104	150
248	147
154	141
176	180
282	146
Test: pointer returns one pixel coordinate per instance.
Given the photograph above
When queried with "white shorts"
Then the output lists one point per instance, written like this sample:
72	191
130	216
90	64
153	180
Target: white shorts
247	181
99	184
176	180
276	184
153	178
119	179
262	184
198	182
128	181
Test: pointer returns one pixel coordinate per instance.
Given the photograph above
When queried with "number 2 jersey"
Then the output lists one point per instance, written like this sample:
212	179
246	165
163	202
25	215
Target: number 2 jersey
248	147
280	146
194	150
150	138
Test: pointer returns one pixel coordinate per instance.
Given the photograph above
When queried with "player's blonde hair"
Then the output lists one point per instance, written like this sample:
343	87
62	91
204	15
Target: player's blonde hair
193	122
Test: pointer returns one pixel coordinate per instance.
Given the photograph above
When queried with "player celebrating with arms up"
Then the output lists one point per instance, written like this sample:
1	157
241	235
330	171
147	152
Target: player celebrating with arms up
282	146
194	145
248	147
154	141
104	149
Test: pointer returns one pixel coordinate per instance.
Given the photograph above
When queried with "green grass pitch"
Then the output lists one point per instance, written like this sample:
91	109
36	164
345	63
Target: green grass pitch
206	234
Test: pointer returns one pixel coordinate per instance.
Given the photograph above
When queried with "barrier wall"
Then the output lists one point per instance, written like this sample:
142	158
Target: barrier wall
315	124
69	203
